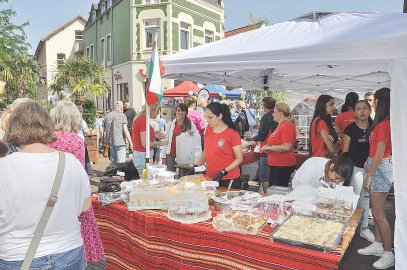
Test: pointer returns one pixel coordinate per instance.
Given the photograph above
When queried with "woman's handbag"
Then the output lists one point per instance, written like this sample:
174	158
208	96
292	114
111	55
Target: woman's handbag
106	150
110	184
53	197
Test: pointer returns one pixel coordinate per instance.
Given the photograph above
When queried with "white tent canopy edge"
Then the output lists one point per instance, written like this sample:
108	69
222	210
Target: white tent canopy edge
363	51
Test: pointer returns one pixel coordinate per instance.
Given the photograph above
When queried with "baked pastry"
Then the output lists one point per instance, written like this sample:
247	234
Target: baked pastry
238	221
309	230
189	207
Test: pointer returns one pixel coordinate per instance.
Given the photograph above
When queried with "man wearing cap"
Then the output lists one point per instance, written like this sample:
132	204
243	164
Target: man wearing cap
116	132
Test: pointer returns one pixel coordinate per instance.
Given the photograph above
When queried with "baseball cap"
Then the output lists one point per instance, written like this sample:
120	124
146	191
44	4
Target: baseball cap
118	103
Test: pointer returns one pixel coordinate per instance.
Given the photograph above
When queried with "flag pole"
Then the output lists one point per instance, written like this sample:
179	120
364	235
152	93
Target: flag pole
147	132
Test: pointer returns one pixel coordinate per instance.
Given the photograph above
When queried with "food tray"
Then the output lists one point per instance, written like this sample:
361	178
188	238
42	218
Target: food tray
225	224
299	222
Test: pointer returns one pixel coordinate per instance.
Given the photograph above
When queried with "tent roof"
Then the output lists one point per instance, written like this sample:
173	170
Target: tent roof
182	90
319	51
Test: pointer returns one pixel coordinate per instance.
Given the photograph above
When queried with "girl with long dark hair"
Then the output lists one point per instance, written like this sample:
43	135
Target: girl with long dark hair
323	138
179	125
223	148
379	179
356	144
347	115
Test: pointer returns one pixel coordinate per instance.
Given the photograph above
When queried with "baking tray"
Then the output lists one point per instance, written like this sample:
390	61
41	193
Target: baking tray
308	244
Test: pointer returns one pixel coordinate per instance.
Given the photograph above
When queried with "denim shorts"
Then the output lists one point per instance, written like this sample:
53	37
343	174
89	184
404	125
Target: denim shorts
382	180
70	260
264	169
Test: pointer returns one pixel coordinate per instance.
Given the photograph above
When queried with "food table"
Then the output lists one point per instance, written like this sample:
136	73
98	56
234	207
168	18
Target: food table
149	240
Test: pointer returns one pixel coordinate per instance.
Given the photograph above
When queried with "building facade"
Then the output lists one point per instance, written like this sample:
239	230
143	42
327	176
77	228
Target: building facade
63	43
120	34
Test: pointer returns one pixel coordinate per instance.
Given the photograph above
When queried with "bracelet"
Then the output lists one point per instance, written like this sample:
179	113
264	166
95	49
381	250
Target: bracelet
225	172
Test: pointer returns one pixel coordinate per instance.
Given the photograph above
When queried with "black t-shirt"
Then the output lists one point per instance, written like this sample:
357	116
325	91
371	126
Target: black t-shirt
359	144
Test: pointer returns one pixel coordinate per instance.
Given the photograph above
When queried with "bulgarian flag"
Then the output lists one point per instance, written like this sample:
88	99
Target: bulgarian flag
154	90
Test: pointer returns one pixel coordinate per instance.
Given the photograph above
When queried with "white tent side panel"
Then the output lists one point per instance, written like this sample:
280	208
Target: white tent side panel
398	113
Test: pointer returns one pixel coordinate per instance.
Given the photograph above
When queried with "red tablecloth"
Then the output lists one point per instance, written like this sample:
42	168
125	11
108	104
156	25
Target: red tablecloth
149	240
251	157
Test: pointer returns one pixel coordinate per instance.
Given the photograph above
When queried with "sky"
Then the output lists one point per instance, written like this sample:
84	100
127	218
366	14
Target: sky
45	16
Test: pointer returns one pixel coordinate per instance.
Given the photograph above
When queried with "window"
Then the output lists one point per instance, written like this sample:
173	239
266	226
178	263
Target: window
108	49
152	1
103	50
87	52
208	36
109	3
151	27
184	35
60	58
122	91
91	51
78	35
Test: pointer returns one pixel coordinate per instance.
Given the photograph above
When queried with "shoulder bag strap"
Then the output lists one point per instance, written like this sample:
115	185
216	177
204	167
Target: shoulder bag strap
46	214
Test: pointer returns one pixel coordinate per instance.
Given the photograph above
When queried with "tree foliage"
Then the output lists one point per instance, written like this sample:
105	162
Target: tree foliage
261	20
82	75
18	69
89	112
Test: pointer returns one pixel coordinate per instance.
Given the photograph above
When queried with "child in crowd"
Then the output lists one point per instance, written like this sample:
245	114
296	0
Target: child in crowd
317	170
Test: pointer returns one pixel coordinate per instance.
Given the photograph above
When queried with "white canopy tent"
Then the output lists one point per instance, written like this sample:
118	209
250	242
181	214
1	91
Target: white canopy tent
317	52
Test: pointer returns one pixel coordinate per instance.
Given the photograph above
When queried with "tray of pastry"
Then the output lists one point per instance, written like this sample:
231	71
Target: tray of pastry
310	232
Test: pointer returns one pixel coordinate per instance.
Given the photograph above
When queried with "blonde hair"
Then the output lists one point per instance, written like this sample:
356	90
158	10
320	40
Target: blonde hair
241	104
155	107
67	117
29	123
285	109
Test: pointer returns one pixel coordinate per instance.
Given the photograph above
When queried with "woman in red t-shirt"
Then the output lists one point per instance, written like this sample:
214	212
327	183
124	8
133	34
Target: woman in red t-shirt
347	115
379	179
323	138
223	148
280	146
138	136
179	125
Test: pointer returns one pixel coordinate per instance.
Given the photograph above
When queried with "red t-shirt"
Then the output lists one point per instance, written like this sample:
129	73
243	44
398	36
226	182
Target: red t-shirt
284	133
219	152
344	119
139	125
319	148
381	133
177	131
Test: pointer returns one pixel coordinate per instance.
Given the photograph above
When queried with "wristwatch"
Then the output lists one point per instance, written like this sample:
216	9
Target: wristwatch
225	172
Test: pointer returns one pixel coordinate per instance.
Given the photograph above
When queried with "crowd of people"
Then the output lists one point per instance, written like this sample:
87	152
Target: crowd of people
354	150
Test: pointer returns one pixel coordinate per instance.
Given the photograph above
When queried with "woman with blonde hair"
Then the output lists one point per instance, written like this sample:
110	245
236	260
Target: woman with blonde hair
280	146
138	136
67	120
26	181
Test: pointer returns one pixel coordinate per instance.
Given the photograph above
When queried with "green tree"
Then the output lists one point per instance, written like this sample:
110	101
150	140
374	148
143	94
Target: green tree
261	20
18	69
89	112
82	75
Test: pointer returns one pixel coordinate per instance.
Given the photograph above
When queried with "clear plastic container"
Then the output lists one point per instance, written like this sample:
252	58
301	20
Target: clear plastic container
239	221
277	190
153	170
189	207
149	198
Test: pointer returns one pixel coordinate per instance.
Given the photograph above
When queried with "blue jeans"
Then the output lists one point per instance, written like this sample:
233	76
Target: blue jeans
69	260
117	154
139	161
364	199
382	180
